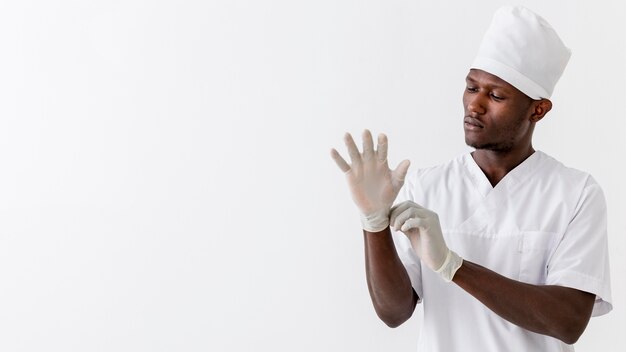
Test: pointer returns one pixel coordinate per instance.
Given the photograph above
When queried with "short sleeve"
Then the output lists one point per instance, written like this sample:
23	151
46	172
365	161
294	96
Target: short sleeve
409	259
581	259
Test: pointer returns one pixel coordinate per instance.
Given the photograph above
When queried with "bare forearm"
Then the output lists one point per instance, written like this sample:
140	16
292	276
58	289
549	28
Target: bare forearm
387	280
556	311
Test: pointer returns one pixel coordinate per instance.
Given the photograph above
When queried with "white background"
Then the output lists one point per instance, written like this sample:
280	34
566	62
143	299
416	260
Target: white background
165	178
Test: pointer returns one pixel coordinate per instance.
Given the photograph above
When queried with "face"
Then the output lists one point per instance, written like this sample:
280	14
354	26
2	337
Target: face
498	117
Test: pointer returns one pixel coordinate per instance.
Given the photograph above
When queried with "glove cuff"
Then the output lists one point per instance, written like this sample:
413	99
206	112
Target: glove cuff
449	267
375	222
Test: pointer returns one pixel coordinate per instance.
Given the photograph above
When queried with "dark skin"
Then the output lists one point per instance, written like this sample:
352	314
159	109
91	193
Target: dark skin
499	122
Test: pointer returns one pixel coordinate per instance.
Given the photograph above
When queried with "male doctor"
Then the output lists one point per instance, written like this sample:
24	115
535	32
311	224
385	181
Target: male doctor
505	247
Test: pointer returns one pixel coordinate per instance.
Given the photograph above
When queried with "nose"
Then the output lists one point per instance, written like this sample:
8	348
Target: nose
474	104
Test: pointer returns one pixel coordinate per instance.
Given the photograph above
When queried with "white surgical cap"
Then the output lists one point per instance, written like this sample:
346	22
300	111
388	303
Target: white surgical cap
523	49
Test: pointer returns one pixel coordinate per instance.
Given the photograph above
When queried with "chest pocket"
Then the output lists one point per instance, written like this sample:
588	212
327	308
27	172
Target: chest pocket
535	250
501	253
521	256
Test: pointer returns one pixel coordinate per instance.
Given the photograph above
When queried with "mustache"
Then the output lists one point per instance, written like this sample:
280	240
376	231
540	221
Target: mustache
473	121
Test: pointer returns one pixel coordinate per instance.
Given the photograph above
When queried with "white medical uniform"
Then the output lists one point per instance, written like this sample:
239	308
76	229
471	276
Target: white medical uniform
542	224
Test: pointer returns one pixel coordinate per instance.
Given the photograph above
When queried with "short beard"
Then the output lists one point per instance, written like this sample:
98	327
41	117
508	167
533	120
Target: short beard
494	147
503	146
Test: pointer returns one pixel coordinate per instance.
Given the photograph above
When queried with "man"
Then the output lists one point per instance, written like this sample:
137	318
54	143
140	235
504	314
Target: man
517	259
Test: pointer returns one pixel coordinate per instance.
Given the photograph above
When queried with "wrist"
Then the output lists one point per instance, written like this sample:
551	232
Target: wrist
450	265
375	222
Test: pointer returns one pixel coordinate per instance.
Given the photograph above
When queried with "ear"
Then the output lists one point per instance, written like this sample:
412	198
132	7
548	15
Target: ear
539	109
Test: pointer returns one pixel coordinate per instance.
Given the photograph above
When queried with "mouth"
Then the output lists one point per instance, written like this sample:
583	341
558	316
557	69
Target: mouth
472	124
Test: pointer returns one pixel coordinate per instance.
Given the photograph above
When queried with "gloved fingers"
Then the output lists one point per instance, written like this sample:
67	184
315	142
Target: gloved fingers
424	213
407	204
428	217
401	216
343	165
400	172
401	207
414	223
381	148
353	151
397	210
368	145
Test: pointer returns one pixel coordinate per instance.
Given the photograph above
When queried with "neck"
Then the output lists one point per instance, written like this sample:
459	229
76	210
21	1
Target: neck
496	164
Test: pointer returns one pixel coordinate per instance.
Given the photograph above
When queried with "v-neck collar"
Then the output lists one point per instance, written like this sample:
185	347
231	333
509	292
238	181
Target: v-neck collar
514	177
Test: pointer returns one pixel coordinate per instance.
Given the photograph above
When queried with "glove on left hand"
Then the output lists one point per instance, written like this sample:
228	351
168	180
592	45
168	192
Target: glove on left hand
422	228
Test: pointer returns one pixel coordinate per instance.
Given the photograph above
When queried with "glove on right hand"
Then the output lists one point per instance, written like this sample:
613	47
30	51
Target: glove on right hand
373	185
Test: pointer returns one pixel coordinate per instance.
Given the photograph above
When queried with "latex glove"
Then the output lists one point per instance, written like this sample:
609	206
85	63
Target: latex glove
372	184
422	228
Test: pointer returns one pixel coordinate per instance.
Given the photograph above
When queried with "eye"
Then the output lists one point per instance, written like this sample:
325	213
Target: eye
496	97
471	89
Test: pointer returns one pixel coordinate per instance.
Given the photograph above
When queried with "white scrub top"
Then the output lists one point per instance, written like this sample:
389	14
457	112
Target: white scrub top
542	224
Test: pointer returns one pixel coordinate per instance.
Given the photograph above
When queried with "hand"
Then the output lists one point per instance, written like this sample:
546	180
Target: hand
372	184
422	228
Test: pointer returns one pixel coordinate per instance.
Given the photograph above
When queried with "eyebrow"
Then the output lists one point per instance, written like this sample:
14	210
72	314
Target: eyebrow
491	84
